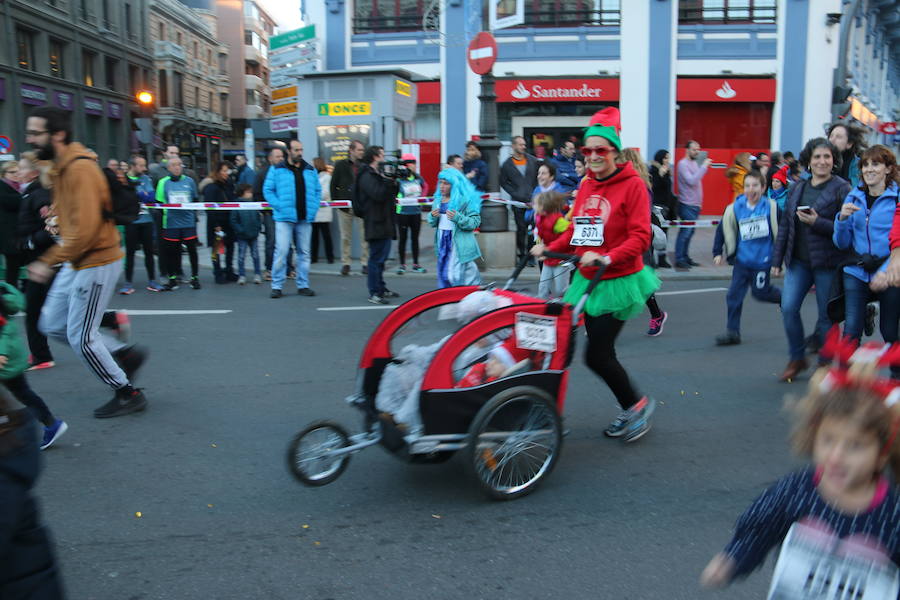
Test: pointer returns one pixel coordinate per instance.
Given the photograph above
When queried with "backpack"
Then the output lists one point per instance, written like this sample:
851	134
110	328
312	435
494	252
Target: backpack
126	206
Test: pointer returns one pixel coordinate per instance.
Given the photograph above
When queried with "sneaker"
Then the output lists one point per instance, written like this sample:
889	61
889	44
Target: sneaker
195	283
871	313
231	276
345	270
305	292
126	289
729	338
242	280
53	433
639	425
656	325
275	294
693	263
365	270
683	266
183	278
130	360
389	294
41	365
374	299
419	269
267	275
126	401
401	269
617	427
171	285
154	286
663	262
257	279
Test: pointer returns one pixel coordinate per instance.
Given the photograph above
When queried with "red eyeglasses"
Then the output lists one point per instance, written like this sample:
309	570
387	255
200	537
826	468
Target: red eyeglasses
598	150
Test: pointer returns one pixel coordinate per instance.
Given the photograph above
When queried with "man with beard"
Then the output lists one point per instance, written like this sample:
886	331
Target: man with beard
89	259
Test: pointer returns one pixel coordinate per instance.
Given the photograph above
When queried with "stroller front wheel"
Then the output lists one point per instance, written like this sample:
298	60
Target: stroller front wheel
311	455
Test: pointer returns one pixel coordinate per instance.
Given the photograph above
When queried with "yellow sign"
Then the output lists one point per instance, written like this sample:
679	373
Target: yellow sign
340	109
284	93
288	108
402	88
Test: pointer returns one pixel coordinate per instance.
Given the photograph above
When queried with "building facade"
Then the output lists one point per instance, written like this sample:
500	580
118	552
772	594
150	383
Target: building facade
89	57
191	81
749	75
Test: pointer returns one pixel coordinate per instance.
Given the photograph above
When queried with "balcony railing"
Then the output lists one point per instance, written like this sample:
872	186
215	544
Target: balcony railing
763	12
542	16
163	49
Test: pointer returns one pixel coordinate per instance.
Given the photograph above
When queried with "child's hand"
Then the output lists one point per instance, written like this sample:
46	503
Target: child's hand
451	214
3	360
718	572
717	260
436	213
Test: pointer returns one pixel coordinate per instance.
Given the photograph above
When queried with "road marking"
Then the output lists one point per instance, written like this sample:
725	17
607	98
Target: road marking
338	308
153	313
700	291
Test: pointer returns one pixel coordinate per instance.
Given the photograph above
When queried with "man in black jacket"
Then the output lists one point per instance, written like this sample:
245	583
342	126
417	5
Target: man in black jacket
376	196
342	180
518	177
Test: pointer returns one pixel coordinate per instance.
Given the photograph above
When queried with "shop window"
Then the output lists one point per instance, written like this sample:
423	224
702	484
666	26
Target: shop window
57	64
726	11
388	16
571	13
87	67
25	49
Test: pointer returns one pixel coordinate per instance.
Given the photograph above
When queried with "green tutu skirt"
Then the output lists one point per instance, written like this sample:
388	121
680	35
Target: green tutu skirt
623	297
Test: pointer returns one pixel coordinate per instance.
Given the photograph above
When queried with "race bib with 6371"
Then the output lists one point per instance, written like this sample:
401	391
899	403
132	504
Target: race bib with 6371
587	231
535	332
754	228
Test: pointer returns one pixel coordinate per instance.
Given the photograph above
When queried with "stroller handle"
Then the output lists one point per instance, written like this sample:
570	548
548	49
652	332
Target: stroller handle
574	258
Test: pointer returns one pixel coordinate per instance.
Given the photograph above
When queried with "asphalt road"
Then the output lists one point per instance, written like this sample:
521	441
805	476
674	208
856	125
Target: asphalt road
222	518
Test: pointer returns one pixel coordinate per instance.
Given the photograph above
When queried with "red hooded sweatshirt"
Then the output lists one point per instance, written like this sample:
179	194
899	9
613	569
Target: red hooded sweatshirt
621	200
895	230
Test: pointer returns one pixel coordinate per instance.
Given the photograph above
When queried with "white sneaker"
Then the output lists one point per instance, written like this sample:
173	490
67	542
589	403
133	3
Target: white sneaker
257	279
242	280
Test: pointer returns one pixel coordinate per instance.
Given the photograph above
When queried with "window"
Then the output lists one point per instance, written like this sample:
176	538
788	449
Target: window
128	30
223	105
83	12
248	37
163	88
726	11
25	49
209	101
251	11
162	31
112	65
196	50
254	98
209	57
177	90
388	15
196	96
107	22
571	13
223	64
57	66
178	38
134	80
87	67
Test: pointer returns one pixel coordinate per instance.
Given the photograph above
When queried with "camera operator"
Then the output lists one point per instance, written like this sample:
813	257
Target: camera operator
374	198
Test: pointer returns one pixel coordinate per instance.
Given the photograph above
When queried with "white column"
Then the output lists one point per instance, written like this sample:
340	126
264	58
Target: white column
822	48
775	140
634	50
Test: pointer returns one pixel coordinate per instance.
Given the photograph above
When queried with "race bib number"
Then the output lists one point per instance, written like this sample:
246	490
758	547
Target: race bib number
814	564
754	228
535	332
179	197
587	231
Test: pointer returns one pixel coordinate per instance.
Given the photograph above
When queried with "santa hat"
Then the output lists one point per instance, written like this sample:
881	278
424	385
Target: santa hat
607	124
781	175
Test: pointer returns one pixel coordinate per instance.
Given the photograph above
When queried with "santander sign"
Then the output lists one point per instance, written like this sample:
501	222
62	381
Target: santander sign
557	90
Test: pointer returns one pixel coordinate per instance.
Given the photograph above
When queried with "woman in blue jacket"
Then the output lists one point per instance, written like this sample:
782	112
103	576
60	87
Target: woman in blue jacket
456	214
864	225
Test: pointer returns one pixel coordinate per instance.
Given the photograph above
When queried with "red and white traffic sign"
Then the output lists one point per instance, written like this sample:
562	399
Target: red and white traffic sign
5	144
889	128
482	53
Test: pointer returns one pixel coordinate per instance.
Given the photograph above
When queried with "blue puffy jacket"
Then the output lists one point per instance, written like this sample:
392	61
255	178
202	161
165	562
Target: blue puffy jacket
867	230
566	175
280	191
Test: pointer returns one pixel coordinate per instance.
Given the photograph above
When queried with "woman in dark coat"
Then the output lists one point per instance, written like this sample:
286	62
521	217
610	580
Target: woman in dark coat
10	199
663	197
219	222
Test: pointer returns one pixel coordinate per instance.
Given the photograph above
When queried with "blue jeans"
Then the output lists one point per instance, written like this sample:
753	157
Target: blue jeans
683	241
757	280
243	246
300	234
798	279
378	253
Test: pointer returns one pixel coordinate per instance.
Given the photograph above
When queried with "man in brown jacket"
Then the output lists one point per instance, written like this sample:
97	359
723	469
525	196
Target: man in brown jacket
89	254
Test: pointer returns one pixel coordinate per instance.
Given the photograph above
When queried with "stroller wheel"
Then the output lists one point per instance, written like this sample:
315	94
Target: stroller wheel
311	456
514	442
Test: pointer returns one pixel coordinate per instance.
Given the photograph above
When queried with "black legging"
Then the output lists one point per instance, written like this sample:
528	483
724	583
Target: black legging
139	235
653	305
13	265
35	295
173	253
600	357
414	224
323	229
21	391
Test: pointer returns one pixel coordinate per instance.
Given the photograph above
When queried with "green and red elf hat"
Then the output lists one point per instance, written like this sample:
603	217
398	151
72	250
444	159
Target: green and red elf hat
607	124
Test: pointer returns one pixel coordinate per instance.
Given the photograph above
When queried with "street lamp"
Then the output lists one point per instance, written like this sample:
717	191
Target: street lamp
144	98
145	122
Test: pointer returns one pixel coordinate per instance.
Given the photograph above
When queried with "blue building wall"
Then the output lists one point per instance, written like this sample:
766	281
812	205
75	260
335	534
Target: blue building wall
660	74
792	87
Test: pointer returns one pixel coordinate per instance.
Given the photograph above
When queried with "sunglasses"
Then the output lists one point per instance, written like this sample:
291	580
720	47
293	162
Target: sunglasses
598	150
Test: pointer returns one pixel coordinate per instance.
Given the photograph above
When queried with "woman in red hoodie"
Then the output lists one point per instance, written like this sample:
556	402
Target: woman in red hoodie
618	235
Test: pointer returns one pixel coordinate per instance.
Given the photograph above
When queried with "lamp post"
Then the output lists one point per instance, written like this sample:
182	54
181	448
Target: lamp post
145	100
494	213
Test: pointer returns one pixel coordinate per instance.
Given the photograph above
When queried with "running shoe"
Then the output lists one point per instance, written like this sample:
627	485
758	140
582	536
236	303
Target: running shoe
171	285
275	294
53	433
257	279
126	289
617	427
401	269
267	275
305	292
419	269
154	286
639	424
871	313
729	338
195	283
389	294
375	299
656	325
242	280
126	401
42	365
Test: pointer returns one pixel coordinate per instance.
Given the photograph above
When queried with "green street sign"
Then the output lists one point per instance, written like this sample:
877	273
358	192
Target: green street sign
283	40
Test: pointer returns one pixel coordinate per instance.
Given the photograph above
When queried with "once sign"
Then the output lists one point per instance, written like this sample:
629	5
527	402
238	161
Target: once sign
340	109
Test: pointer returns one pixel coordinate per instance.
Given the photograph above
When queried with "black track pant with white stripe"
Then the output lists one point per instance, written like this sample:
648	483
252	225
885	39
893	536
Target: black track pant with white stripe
72	314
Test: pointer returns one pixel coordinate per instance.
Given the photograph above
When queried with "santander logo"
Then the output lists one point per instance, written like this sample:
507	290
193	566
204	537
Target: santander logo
520	93
726	92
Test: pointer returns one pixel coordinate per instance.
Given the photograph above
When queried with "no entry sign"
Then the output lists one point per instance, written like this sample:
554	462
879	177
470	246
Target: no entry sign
482	53
5	144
